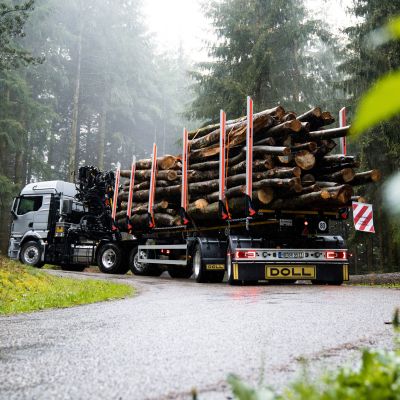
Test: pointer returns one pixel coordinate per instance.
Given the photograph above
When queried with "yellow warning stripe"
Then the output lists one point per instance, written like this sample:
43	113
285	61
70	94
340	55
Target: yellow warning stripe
345	272
235	272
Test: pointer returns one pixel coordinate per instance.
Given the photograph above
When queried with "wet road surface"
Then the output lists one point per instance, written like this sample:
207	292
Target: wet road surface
176	335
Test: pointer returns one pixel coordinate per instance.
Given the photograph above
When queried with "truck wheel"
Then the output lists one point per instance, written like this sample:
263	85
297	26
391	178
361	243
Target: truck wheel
110	259
31	254
180	272
142	269
73	268
229	270
199	272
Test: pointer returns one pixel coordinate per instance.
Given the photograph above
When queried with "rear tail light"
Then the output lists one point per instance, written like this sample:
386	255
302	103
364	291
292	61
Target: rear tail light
165	251
245	254
336	255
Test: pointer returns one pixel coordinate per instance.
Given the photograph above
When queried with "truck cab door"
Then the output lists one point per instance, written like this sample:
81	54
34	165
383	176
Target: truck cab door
25	209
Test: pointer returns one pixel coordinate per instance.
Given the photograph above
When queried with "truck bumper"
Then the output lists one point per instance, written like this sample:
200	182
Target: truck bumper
257	271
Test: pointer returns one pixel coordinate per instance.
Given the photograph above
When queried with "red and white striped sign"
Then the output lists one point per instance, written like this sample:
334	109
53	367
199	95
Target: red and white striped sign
342	123
363	217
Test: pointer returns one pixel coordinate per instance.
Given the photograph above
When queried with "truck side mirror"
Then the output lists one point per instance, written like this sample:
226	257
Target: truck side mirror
14	208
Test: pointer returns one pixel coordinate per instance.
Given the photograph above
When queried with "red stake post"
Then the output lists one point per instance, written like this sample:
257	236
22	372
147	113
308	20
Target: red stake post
115	199
342	123
152	187
185	162
130	195
249	157
223	206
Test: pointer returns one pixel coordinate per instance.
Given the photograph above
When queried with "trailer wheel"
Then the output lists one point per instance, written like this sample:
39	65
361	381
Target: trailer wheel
110	259
31	254
199	272
180	272
229	270
142	269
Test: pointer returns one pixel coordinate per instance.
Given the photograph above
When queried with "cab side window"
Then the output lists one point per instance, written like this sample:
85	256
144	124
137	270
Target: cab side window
28	204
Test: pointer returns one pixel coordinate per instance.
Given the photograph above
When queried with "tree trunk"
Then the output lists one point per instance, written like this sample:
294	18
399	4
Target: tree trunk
74	128
102	130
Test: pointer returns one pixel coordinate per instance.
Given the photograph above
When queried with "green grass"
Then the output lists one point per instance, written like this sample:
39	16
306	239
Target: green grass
24	289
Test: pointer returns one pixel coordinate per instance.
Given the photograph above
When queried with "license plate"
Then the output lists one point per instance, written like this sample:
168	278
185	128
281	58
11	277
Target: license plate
291	254
290	272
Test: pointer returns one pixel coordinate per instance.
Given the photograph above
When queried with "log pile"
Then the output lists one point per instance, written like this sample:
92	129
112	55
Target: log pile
293	168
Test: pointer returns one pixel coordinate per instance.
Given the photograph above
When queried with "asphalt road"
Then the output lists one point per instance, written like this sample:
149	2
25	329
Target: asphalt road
176	335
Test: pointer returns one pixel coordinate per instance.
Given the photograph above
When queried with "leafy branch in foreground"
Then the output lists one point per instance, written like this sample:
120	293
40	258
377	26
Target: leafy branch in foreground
381	102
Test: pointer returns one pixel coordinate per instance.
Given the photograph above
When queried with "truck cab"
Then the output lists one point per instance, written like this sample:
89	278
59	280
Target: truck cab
33	213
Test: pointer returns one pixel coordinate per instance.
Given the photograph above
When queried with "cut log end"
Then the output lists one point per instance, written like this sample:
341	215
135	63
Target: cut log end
305	160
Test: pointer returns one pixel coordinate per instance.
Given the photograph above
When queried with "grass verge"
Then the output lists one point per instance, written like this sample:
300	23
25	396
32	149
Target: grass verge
24	289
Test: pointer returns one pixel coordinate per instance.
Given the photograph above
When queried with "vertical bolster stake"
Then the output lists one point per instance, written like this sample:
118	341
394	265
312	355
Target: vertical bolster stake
152	188
249	158
184	194
130	195
115	199
223	211
342	123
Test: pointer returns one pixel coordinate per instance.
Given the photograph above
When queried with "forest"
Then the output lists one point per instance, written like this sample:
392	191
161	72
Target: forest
83	83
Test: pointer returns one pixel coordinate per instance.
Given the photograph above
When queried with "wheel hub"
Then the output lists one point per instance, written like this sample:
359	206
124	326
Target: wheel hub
31	255
108	259
138	265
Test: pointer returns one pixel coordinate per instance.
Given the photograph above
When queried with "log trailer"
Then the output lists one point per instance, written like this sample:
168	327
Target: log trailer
75	226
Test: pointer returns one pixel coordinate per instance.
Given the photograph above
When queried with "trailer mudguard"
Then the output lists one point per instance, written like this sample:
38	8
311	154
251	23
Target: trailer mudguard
213	251
237	242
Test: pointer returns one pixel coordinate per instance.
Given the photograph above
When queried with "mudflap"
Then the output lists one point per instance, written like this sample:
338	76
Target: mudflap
247	271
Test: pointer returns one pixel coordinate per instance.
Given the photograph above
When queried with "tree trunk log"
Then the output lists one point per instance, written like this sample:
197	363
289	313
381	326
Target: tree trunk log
343	176
163	163
329	133
143	175
363	178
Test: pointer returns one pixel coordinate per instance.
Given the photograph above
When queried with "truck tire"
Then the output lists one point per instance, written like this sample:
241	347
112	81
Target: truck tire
199	272
142	269
229	270
110	259
31	254
180	272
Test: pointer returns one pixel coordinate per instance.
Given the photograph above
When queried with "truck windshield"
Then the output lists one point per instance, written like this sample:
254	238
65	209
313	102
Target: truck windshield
28	204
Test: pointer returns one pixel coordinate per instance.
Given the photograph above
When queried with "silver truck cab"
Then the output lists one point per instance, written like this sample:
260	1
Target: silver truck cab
30	226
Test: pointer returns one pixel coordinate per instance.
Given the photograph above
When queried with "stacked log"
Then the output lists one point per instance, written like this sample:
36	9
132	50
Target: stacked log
293	168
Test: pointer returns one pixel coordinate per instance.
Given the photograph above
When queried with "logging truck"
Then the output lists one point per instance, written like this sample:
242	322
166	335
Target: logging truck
51	226
237	237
